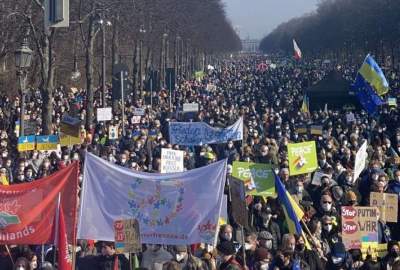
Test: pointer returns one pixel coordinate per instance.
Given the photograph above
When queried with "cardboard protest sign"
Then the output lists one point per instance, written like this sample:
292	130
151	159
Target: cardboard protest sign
359	224
316	130
47	142
67	140
171	161
392	102
238	204
258	178
359	162
387	204
113	132
70	126
136	119
302	157
104	114
127	236
301	129
190	107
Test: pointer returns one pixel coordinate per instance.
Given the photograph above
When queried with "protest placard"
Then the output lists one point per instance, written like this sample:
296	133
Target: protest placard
257	177
190	107
70	126
302	157
136	119
316	180
139	112
359	162
359	224
387	204
67	140
392	102
316	130
171	161
104	114
127	236
113	132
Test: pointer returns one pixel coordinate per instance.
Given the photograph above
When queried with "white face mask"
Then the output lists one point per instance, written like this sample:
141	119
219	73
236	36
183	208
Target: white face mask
328	228
264	266
227	236
20	268
268	244
326	207
247	246
33	265
180	256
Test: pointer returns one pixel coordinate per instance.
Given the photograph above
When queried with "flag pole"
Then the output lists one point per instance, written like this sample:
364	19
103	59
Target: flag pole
74	239
56	229
9	254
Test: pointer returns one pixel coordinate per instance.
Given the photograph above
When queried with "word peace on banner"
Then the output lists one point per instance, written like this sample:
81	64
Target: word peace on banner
302	157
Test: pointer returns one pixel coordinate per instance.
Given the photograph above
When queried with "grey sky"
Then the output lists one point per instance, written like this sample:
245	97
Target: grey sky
256	18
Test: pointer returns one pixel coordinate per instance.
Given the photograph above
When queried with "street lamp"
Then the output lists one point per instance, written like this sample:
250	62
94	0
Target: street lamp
23	60
103	25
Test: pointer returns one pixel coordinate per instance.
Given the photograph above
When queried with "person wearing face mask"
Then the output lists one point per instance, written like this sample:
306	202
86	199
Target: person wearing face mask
226	233
227	257
327	208
154	254
186	260
230	152
269	227
349	184
339	258
22	264
329	232
394	184
309	257
299	193
263	259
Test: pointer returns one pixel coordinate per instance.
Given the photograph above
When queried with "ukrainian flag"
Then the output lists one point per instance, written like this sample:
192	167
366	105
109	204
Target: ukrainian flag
293	212
26	143
305	107
371	73
48	142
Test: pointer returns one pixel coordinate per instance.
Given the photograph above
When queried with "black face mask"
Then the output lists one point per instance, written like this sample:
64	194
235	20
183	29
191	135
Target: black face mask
300	247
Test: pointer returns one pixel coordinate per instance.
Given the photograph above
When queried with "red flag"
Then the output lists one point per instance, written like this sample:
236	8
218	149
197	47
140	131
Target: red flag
28	210
297	52
64	261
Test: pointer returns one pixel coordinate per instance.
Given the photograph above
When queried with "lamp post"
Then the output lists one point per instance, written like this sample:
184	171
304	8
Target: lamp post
23	60
103	25
142	31
163	64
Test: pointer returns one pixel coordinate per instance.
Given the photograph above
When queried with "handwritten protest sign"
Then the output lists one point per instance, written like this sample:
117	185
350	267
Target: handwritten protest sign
316	180
190	107
387	204
171	161
199	133
104	114
359	163
139	111
113	132
258	178
302	157
359	224
127	236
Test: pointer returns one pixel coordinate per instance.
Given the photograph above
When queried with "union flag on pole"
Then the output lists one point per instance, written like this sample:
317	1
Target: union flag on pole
297	51
64	261
28	211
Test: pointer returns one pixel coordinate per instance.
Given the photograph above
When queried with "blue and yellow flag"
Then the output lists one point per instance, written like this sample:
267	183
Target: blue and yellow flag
26	143
371	73
293	212
305	107
48	142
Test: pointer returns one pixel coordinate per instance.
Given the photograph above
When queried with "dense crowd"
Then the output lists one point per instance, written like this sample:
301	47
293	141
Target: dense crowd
270	102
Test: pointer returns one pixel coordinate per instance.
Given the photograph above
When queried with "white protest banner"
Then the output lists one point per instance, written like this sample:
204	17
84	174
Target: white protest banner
199	133
104	114
139	111
113	132
190	107
171	161
136	119
172	209
361	158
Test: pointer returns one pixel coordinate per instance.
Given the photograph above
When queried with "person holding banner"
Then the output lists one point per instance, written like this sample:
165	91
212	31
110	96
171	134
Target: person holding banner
109	260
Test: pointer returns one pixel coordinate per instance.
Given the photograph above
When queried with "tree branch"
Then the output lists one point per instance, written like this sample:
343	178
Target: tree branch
39	4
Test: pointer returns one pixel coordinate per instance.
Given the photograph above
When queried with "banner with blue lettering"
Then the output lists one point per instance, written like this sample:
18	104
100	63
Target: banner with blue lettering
199	133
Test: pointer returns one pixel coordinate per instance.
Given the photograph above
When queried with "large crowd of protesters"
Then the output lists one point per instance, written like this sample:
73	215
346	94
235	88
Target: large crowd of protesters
270	102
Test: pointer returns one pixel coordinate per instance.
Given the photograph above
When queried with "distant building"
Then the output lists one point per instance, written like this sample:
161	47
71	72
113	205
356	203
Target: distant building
250	45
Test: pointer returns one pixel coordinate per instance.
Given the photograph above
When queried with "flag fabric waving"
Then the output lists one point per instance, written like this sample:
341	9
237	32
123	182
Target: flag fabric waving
64	261
297	52
27	211
370	83
293	212
173	208
305	106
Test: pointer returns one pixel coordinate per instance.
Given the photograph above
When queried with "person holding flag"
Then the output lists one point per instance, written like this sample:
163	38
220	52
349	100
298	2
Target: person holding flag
297	52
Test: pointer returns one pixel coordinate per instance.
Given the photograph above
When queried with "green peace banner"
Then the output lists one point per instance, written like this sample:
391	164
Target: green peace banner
258	178
302	157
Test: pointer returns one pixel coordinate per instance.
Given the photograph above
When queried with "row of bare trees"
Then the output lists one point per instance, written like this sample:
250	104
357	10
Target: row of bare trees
342	28
191	31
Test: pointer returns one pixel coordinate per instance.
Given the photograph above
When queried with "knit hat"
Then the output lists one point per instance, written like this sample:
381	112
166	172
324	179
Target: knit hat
351	196
227	248
261	254
265	235
181	248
